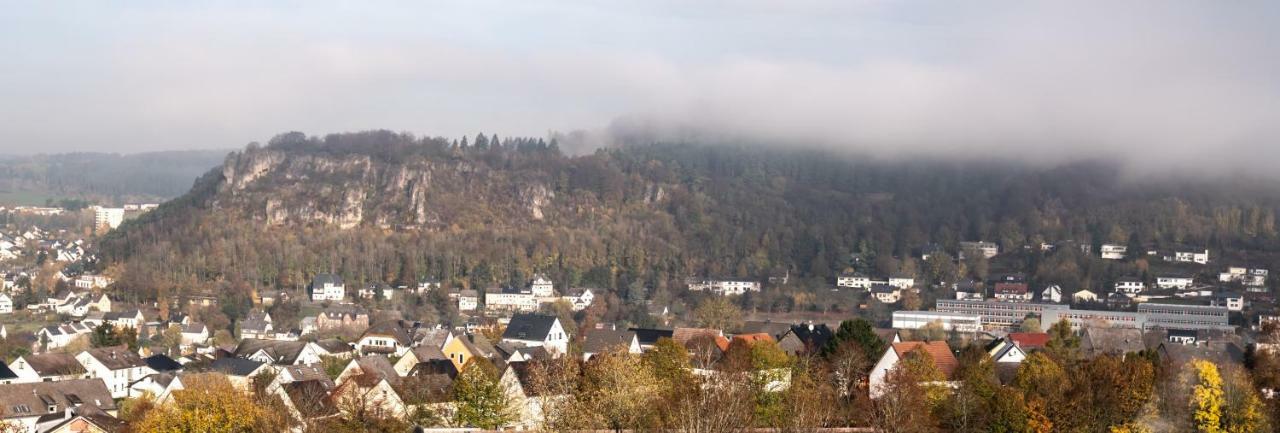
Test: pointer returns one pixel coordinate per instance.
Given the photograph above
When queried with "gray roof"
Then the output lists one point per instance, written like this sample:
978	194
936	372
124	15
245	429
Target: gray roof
255	321
529	326
54	364
303	373
117	357
235	366
1113	341
322	279
604	340
162	363
283	352
333	345
401	330
21	400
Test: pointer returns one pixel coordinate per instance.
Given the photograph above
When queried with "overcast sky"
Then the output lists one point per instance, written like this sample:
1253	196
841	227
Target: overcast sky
1158	82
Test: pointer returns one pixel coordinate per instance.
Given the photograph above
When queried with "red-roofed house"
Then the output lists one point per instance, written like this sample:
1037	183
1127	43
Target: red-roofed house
1015	292
1029	340
938	351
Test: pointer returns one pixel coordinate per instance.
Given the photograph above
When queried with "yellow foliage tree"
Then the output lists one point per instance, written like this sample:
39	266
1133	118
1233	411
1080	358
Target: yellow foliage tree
1206	398
209	403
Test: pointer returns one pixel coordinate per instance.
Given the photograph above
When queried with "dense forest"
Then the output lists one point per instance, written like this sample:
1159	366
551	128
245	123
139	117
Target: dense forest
103	178
640	218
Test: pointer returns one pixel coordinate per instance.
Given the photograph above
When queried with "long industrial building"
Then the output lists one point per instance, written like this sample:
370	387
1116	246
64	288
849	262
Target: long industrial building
1008	315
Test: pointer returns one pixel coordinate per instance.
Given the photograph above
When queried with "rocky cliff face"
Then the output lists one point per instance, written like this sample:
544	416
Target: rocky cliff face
349	190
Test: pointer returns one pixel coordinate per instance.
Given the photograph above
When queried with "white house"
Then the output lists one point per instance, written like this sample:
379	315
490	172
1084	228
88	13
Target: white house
1113	251
1233	301
58	336
6	304
1005	350
1190	256
327	287
1174	282
1130	286
724	286
509	299
117	366
468	300
194	333
902	282
1233	273
392	338
1051	294
92	281
937	351
542	287
886	294
47	367
537	330
580	298
853	281
1084	296
986	249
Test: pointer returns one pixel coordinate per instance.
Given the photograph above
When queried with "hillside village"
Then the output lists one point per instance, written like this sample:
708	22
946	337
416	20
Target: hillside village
332	350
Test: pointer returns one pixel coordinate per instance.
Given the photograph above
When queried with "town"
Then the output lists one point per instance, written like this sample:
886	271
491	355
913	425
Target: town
80	358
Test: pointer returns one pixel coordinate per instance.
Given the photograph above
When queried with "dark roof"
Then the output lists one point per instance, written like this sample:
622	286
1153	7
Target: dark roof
301	373
321	279
401	330
813	336
283	352
1113	341
103	421
529	326
378	367
54	364
650	336
480	345
604	340
311	398
435	366
116	357
1220	353
334	345
161	363
235	366
7	373
20	400
427	353
776	329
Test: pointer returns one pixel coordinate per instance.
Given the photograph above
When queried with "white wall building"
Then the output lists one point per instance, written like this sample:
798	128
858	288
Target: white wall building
1113	251
106	217
117	366
542	286
1130	286
327	287
854	281
1174	282
949	321
725	286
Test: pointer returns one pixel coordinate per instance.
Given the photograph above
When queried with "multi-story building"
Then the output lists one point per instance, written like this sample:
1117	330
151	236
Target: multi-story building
724	286
948	321
1113	251
986	249
1174	281
1007	315
853	281
997	314
1130	285
509	299
542	286
1178	316
327	287
107	218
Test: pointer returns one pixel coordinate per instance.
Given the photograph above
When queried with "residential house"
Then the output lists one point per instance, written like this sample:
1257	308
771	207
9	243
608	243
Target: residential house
117	366
6	304
58	336
7	375
1233	301
391	338
194	333
27	404
1084	295
526	399
541	287
1097	341
1113	251
985	249
1052	293
1182	336
468	300
327	287
1187	255
370	381
1028	341
47	367
805	338
886	294
853	281
579	298
1005	350
278	352
1012	291
257	324
428	284
902	282
647	337
424	354
348	316
509	299
1130	285
86	419
1174	281
969	289
596	341
938	352
240	371
537	330
335	348
724	286
92	281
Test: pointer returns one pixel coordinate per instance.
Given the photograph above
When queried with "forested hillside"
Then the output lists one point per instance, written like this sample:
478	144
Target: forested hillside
104	178
638	218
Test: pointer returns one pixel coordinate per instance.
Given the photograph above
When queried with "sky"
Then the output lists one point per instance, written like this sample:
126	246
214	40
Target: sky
1168	84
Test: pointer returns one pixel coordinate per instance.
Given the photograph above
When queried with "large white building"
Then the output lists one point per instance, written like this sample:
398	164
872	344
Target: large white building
1174	282
107	217
542	286
948	321
510	299
1113	251
725	286
853	281
327	287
